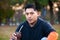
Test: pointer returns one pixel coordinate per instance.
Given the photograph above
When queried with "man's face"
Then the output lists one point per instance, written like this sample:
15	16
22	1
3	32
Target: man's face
31	15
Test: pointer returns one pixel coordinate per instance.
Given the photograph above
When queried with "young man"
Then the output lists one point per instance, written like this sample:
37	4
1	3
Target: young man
34	28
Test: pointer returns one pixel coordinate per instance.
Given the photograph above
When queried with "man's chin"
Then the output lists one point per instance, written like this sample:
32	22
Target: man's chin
30	22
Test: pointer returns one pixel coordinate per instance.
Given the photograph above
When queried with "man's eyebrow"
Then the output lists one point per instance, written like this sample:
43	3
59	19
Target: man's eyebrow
29	12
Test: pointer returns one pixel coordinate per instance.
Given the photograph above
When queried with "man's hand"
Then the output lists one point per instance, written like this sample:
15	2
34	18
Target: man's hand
15	36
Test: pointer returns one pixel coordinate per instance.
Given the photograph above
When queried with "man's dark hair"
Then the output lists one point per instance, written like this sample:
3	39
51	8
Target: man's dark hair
35	7
30	6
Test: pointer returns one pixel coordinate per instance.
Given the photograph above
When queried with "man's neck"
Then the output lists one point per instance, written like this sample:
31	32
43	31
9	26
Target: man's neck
32	24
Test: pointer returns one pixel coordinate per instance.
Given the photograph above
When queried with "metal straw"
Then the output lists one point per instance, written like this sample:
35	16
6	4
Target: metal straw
20	28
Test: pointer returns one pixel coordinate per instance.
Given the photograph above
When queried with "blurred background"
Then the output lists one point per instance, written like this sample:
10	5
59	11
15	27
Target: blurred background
11	14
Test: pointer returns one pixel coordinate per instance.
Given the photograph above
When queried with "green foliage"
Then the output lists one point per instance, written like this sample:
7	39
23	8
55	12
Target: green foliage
1	11
5	9
6	13
43	2
30	1
23	18
13	2
9	12
54	0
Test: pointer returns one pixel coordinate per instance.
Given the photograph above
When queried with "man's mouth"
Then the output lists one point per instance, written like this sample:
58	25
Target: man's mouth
29	19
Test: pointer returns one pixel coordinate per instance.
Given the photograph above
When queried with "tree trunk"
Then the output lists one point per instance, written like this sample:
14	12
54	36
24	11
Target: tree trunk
0	21
58	14
51	12
7	21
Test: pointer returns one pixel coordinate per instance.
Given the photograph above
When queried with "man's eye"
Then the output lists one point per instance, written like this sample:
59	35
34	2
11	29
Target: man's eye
31	13
26	13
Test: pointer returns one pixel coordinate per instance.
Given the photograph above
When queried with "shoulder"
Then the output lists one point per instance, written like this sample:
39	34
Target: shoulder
43	21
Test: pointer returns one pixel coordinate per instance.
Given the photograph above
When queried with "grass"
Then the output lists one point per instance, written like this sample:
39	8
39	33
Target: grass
5	31
57	27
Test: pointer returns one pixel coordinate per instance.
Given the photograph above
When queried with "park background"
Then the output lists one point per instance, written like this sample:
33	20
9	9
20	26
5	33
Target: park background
11	14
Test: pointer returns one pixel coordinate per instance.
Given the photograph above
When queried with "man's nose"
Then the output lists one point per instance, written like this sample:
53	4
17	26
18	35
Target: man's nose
29	15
